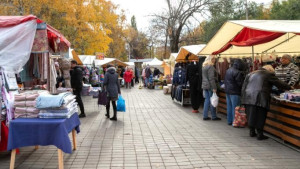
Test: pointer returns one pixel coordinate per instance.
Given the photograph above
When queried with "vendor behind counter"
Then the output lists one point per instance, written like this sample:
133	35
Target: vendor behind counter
287	71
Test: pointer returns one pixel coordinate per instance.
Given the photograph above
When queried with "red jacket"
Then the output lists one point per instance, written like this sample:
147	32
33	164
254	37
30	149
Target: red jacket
128	76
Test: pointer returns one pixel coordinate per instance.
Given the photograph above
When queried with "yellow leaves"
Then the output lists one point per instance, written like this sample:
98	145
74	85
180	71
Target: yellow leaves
87	24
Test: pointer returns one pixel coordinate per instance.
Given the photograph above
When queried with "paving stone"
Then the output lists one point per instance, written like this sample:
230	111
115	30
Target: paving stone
155	132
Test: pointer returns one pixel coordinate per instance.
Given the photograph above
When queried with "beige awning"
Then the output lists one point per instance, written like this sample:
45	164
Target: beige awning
287	43
193	50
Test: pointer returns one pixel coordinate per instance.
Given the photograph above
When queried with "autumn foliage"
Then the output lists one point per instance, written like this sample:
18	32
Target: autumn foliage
87	24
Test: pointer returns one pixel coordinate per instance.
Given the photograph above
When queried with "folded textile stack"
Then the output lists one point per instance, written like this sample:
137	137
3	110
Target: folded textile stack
57	106
292	95
86	88
95	92
25	104
62	90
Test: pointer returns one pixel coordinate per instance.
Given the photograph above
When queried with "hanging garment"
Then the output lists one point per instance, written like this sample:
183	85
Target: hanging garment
192	76
222	67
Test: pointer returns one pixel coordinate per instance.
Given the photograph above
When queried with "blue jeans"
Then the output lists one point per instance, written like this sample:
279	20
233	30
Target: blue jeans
207	105
232	101
146	81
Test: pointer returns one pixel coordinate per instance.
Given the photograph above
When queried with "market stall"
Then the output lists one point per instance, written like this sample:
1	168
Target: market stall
187	57
26	46
262	41
172	61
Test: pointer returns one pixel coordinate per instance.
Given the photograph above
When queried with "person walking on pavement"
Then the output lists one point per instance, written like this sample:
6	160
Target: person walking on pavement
76	84
256	96
127	78
112	87
234	79
209	77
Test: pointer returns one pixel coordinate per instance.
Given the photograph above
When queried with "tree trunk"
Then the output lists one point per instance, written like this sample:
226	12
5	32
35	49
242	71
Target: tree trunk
174	44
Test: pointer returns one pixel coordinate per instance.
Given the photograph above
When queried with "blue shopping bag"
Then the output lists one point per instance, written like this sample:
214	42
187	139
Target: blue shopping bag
121	104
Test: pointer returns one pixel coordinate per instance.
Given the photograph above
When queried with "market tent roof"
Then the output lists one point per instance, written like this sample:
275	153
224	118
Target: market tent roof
129	63
112	61
17	35
75	57
87	59
154	62
191	50
173	57
266	36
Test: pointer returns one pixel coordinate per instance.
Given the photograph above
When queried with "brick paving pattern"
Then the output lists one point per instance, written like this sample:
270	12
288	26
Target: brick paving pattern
156	133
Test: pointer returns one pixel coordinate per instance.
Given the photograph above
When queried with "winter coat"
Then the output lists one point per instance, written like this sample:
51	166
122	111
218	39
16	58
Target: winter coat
234	78
209	78
179	76
192	75
111	83
128	76
148	72
156	72
76	78
257	88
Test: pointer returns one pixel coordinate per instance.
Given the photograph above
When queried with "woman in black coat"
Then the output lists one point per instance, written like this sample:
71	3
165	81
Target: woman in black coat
256	96
112	87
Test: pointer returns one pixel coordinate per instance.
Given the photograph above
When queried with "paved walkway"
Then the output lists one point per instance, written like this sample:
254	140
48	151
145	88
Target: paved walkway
157	133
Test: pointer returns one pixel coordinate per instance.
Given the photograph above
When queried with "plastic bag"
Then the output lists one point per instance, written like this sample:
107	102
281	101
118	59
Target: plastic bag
214	100
240	117
121	104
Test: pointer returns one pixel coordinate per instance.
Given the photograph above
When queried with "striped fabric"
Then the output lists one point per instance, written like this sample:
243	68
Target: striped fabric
288	74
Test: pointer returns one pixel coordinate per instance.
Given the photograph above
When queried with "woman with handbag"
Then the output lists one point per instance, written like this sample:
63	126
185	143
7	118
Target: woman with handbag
112	87
209	86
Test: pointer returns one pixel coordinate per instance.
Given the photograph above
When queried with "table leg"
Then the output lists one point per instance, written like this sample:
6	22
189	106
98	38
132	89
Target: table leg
60	159
12	159
36	147
74	139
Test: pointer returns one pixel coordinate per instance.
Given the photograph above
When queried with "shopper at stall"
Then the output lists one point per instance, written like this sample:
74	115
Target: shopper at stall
234	79
127	78
209	86
112	87
144	76
137	75
60	81
287	71
156	72
148	73
76	84
256	97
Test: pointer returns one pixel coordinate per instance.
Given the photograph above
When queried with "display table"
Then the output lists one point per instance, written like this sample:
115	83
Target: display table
35	131
283	119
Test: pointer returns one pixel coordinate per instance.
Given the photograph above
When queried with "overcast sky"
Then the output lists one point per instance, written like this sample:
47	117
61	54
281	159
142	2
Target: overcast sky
143	8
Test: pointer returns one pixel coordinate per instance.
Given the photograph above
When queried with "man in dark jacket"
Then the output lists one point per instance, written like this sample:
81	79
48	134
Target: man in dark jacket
76	84
234	79
256	97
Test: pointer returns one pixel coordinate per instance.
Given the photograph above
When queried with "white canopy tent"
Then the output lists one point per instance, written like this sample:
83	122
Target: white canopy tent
193	50
155	63
286	40
87	59
112	61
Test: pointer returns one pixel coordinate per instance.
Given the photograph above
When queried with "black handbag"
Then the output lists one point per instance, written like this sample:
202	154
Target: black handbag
102	98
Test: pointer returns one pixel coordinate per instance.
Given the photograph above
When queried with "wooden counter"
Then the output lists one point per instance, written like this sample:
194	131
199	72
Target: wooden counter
283	120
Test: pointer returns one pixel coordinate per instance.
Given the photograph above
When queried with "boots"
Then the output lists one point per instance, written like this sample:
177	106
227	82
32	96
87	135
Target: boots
252	132
260	135
114	118
107	113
